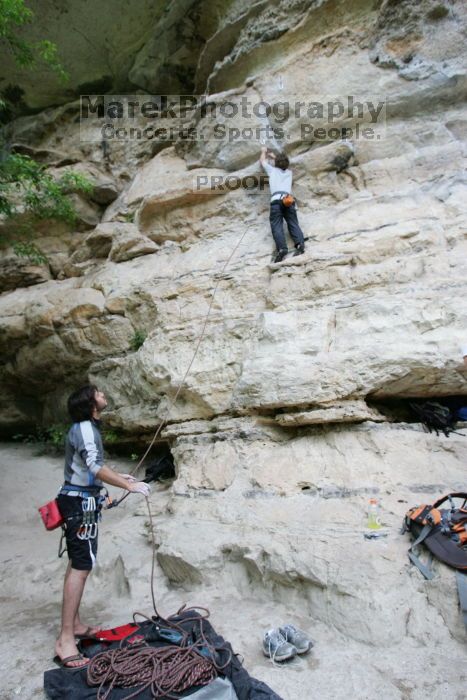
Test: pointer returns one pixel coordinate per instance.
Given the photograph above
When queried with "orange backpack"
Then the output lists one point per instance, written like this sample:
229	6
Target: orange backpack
443	531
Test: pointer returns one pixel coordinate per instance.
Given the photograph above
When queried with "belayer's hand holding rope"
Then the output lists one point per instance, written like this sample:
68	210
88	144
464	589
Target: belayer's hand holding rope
123	481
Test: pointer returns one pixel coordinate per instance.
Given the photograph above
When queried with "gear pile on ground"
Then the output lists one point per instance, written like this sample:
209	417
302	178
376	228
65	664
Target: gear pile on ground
133	667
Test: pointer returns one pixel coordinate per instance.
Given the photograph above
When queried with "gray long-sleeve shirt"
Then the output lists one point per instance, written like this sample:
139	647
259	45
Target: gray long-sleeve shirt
84	454
279	180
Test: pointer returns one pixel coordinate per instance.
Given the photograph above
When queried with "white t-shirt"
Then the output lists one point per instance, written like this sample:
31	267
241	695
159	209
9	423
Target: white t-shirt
279	180
464	350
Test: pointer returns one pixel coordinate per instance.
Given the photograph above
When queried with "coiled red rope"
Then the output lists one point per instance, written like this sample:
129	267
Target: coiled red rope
164	670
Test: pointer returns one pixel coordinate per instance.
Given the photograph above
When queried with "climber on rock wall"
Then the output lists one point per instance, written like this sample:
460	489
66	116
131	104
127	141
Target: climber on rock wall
282	204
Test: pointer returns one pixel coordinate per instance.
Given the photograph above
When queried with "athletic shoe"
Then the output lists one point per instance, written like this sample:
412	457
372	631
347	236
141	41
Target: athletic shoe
280	255
276	647
299	250
297	638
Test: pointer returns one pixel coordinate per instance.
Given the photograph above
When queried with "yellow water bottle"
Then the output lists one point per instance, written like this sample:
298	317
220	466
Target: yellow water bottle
374	519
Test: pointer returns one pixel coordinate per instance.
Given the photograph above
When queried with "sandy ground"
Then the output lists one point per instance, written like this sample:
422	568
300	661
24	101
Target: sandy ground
31	580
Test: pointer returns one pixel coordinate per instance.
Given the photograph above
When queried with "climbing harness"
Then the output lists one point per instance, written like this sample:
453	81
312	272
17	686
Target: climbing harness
50	512
92	503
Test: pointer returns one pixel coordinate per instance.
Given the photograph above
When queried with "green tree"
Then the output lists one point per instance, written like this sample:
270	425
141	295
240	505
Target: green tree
29	193
26	188
13	15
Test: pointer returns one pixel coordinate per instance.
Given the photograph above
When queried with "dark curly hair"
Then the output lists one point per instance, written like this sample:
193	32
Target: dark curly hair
81	403
282	161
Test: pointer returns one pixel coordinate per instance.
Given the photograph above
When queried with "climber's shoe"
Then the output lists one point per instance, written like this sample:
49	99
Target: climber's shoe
299	249
280	255
300	640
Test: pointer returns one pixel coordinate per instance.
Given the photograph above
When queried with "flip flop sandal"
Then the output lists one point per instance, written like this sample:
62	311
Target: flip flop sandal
87	633
64	663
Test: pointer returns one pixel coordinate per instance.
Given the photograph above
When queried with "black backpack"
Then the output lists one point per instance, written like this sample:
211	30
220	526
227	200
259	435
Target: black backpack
161	467
435	417
443	531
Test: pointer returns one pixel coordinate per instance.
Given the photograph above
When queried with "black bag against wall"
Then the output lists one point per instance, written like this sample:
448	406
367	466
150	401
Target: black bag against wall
443	531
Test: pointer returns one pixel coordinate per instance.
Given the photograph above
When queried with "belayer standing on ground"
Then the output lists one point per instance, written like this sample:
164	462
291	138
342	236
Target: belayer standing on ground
79	504
280	184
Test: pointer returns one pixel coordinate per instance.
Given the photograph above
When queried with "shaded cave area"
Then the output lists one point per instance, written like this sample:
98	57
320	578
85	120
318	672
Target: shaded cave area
400	409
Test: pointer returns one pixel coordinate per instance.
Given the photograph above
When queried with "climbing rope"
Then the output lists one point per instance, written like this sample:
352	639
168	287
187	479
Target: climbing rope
171	669
164	670
164	420
173	401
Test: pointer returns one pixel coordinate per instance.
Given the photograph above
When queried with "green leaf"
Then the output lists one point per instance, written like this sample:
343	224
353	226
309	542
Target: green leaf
13	15
137	340
30	251
26	187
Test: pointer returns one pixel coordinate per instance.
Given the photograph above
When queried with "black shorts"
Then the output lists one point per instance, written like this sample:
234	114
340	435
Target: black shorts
81	553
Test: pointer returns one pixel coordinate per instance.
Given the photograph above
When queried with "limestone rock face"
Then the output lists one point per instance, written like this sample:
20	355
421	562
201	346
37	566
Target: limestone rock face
163	185
64	140
117	242
357	316
65	326
346	412
282	389
96	45
292	518
20	272
105	189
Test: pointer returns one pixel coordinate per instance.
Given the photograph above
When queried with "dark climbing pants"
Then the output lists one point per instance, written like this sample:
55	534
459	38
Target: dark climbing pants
278	212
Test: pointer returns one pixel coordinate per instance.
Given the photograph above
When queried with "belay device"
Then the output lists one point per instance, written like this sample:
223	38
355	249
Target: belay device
443	531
